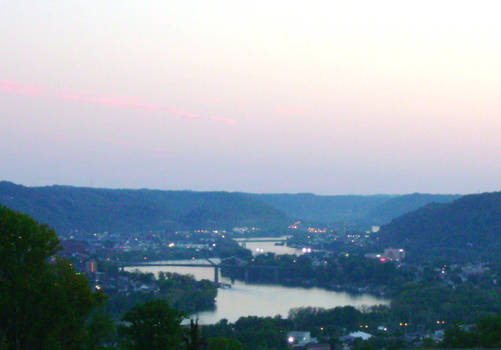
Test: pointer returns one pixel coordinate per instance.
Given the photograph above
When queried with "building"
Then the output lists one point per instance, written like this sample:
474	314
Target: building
300	339
295	337
394	254
91	266
354	335
362	335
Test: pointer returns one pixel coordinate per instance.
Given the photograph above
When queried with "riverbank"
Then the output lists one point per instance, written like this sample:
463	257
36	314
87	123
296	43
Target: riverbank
379	291
245	299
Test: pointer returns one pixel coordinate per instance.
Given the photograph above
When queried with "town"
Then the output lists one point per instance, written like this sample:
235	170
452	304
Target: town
108	259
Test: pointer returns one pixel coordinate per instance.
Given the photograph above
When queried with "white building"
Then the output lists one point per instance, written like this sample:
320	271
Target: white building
359	334
298	338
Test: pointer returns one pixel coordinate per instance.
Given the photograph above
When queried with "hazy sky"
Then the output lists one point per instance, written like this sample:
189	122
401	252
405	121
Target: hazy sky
263	96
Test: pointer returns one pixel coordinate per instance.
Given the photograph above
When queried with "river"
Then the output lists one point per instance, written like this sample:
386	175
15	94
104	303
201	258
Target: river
263	245
261	300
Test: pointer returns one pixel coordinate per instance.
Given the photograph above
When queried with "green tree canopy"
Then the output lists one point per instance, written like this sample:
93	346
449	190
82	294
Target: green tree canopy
43	301
153	325
225	344
193	337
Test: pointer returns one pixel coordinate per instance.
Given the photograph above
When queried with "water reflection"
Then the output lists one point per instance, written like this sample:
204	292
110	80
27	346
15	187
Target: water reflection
262	300
265	245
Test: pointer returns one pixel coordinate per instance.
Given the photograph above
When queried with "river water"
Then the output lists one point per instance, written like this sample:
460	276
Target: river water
261	300
257	246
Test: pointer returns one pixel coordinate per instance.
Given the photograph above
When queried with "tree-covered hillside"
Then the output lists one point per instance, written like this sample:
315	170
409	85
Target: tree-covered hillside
96	210
468	227
399	205
90	210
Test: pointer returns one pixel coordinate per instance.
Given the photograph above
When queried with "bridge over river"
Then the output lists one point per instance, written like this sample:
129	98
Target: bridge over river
246	267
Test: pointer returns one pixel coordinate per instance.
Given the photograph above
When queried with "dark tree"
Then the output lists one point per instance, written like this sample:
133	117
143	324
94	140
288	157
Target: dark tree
153	325
43	302
489	332
224	344
100	331
193	337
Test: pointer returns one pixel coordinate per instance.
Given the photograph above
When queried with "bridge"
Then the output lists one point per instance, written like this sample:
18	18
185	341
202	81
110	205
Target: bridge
243	241
213	265
259	240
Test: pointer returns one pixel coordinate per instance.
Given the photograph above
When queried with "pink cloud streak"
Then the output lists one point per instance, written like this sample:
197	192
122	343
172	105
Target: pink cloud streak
12	87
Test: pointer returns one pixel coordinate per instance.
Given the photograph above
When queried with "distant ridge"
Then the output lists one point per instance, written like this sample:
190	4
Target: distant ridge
466	229
68	208
353	209
396	206
91	210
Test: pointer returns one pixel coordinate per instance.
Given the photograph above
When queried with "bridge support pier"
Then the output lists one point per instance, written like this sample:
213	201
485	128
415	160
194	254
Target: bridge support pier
216	275
246	275
276	275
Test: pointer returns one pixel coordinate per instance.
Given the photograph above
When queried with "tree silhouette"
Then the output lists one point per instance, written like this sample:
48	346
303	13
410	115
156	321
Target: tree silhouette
43	302
153	325
193	337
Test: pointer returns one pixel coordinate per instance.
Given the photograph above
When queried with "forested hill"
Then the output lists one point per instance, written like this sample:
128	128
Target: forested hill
96	210
364	210
399	205
467	229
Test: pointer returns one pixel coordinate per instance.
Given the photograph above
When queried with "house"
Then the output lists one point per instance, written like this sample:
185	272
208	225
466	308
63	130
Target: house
300	339
438	336
359	334
295	337
354	335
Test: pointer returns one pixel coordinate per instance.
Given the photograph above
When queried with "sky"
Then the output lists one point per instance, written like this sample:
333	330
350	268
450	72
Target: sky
329	97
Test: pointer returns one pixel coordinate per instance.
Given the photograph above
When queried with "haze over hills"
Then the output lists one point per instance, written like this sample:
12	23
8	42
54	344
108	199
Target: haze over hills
368	210
68	208
400	205
461	230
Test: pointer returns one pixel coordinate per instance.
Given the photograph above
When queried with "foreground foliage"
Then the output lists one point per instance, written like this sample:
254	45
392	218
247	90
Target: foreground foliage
44	302
153	325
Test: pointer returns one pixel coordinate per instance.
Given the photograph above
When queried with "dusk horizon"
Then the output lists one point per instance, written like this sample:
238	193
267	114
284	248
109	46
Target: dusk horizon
243	175
91	186
285	97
